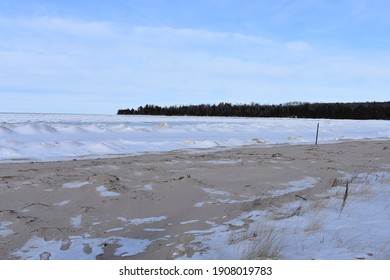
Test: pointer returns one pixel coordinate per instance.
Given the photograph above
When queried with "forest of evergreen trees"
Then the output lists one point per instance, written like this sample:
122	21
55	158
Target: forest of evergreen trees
361	111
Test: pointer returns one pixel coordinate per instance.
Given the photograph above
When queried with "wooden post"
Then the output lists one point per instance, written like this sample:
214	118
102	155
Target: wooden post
318	127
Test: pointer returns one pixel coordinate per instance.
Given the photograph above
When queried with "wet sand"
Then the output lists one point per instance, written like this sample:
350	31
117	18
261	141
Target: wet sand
150	206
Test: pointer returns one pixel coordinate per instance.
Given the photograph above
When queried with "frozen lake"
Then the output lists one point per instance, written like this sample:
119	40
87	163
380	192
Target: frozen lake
47	137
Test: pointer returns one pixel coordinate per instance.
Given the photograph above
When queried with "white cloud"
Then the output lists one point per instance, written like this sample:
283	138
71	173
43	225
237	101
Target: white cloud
299	47
201	35
65	26
167	65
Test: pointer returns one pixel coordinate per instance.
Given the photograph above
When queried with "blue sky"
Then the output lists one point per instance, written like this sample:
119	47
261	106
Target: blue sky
95	56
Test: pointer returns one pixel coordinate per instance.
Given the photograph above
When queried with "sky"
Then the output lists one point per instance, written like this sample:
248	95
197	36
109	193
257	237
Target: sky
95	56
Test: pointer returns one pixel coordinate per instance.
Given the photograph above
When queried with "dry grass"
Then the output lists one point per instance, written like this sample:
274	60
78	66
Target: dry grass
265	242
318	205
338	182
314	224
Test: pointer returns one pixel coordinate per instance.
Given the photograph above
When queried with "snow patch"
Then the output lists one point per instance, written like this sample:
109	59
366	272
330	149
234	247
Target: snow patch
104	192
223	161
114	229
76	221
140	221
154	229
74	185
62	203
189	222
79	248
294	186
4	231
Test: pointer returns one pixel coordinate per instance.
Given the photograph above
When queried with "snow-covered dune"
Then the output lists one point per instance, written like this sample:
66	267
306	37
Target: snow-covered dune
45	137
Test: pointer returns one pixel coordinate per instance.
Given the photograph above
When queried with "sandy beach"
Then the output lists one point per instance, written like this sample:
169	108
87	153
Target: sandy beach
156	206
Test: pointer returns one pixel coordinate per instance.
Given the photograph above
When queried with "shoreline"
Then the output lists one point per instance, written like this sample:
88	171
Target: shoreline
188	151
158	205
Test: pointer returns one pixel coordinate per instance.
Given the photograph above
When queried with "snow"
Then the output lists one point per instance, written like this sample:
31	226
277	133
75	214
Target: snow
139	221
114	229
215	192
74	185
220	197
79	248
294	186
76	221
62	203
224	161
319	230
4	231
48	137
104	192
189	222
154	229
148	187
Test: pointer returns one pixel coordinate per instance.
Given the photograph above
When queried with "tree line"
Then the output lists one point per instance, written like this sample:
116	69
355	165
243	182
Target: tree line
355	110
